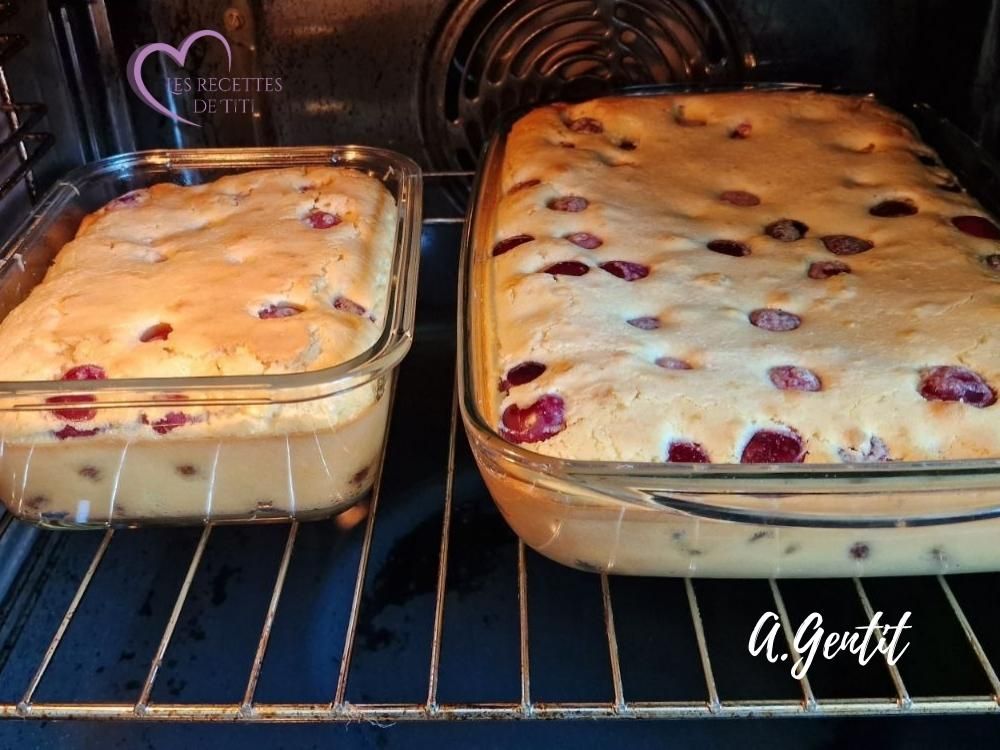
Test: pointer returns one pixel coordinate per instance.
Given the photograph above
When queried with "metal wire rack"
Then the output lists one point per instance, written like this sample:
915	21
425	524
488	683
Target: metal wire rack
708	696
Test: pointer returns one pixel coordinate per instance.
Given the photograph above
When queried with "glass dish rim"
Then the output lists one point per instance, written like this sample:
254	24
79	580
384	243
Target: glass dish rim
779	478
385	353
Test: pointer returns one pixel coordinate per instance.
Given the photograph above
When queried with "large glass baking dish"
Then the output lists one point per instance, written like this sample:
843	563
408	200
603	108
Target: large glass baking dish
281	473
782	520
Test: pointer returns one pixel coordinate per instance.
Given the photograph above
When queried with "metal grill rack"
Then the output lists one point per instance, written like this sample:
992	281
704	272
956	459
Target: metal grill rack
19	118
425	592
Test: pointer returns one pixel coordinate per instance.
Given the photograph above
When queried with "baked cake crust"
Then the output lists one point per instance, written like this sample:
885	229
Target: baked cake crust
264	272
752	276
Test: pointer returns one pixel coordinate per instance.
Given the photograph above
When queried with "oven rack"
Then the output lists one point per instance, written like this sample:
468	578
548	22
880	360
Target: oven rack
709	699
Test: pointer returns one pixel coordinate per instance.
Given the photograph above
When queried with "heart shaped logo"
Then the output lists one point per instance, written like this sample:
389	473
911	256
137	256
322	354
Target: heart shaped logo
178	56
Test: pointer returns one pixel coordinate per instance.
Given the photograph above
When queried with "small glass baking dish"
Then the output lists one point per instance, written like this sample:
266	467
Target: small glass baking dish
723	520
289	462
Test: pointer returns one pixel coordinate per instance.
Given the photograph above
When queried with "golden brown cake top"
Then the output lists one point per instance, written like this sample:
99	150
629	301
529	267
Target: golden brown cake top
263	272
750	276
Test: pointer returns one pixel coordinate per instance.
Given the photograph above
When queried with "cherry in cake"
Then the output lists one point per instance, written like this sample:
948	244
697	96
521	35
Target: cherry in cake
672	363
586	240
570	203
774	447
508	244
845	244
741	131
626	270
732	248
536	422
521	374
586	125
773	319
792	378
279	310
786	230
952	383
80	372
977	226
322	219
568	268
682	452
894	208
739	198
168	422
824	269
349	306
645	323
157	332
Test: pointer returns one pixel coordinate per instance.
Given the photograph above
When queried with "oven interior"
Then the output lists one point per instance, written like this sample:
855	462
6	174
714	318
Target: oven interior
422	604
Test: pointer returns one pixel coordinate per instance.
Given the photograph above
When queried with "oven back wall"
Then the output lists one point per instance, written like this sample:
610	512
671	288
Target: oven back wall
428	77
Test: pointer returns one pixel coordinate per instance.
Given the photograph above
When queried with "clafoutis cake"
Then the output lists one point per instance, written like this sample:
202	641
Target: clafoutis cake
264	273
745	277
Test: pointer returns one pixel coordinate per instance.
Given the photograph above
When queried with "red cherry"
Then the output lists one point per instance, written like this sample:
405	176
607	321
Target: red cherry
524	185
774	447
586	240
739	198
348	305
506	245
626	270
521	374
773	319
893	208
85	372
686	453
322	219
672	363
571	203
790	378
158	332
279	310
170	421
729	247
69	431
647	323
845	244
741	131
824	269
80	372
568	268
586	125
534	423
952	383
786	230
977	226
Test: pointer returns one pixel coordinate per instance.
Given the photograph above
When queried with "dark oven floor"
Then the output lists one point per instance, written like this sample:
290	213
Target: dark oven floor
369	626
